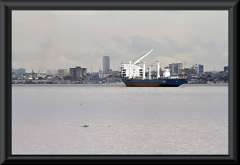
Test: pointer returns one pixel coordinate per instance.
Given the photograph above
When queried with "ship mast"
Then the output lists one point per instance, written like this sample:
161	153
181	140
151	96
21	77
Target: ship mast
149	73
143	70
143	65
130	69
158	68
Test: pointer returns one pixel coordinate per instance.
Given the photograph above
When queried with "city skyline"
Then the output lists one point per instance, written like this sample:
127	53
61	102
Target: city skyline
48	40
154	67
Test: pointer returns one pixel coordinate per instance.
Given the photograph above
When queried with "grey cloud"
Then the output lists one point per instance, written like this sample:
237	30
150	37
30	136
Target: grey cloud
137	44
141	44
47	46
173	47
120	41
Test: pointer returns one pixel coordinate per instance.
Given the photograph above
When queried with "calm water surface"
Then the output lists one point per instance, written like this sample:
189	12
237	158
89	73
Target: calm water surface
190	119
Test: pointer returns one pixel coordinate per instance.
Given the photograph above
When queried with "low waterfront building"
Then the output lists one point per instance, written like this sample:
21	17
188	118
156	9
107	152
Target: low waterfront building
41	75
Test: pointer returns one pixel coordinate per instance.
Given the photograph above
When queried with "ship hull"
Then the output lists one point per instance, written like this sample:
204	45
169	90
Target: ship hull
161	82
149	85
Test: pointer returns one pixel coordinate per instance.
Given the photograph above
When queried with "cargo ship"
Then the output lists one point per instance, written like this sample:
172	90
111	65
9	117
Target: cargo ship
133	75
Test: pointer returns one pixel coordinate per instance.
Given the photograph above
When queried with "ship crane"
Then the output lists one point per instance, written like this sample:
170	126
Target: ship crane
137	61
158	68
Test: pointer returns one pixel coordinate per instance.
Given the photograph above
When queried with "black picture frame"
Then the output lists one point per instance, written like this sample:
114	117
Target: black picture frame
6	7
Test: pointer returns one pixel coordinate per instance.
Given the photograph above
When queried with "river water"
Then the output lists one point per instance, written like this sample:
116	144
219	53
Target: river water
190	119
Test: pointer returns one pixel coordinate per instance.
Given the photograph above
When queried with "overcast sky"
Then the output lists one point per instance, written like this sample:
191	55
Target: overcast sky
49	40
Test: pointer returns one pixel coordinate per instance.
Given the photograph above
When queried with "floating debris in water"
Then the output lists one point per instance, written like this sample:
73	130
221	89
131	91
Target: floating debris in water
85	125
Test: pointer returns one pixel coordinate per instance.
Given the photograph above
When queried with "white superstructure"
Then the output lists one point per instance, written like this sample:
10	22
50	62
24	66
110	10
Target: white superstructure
166	72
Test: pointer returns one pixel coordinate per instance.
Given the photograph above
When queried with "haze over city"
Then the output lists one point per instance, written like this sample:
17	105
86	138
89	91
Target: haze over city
45	40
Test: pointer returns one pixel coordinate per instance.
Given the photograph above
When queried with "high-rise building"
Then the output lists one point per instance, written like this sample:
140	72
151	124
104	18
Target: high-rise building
170	68
84	71
175	68
72	72
14	70
51	72
106	63
62	72
225	69
78	72
21	71
198	68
